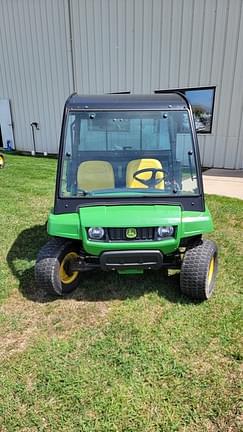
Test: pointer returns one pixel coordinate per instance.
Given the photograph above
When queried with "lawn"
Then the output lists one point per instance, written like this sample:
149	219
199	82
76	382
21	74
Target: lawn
121	353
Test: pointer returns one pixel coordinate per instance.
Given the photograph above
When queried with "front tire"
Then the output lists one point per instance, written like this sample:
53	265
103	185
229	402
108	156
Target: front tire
51	270
199	269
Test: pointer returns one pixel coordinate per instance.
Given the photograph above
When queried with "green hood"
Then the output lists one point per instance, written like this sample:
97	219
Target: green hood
130	216
74	225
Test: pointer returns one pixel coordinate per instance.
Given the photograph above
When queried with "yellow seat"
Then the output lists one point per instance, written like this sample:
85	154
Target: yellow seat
95	174
139	164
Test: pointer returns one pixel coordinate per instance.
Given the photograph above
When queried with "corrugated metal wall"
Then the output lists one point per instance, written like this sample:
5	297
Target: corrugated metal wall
136	45
35	68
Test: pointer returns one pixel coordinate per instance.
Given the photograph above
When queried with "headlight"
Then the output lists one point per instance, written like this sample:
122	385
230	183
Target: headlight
165	231
96	233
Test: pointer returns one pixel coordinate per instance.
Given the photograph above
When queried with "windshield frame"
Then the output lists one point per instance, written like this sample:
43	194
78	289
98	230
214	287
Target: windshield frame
193	202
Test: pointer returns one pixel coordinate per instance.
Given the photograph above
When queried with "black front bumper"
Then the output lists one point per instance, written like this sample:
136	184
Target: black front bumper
144	259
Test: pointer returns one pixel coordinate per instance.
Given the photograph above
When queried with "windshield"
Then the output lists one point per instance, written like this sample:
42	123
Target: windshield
128	153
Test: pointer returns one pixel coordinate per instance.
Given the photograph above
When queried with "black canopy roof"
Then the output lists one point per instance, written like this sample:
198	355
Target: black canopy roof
164	101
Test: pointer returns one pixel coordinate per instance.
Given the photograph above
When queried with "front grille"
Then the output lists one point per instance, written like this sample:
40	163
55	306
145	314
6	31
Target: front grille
120	234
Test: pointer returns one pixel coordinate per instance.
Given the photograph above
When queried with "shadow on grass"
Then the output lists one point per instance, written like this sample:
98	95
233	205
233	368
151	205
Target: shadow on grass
96	285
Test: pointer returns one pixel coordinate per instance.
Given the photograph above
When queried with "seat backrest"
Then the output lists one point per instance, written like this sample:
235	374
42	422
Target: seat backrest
139	164
95	174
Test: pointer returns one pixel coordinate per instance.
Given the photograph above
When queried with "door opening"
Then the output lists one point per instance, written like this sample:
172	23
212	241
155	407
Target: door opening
1	140
6	125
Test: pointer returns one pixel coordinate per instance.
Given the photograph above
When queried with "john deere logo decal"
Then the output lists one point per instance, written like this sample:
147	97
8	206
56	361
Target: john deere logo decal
131	233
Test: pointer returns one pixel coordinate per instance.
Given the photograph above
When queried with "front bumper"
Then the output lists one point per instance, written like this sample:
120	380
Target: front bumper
126	260
117	260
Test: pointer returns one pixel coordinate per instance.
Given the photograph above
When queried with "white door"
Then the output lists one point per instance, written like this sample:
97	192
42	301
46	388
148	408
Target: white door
6	124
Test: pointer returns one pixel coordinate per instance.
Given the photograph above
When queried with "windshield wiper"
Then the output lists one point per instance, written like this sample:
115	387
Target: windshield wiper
82	192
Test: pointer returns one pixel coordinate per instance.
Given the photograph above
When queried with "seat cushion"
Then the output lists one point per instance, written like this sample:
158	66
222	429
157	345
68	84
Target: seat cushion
95	174
139	164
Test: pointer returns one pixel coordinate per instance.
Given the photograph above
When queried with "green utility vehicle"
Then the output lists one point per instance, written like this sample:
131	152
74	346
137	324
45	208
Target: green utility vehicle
129	194
2	160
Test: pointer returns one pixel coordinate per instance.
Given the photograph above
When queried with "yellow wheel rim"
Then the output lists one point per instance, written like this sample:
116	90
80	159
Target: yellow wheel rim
1	161
211	270
64	276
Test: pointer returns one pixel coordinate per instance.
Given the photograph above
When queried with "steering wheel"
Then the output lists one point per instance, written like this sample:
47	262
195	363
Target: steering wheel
152	181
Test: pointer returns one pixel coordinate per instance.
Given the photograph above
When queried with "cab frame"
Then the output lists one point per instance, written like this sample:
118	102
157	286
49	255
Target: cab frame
126	102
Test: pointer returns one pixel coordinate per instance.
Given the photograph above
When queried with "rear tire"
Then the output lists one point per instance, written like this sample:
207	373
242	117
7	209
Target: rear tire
51	269
199	269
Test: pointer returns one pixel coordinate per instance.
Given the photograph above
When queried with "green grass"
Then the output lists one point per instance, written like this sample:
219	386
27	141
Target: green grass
120	353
